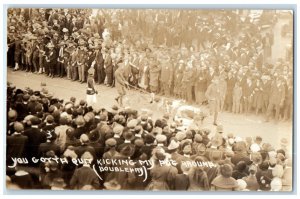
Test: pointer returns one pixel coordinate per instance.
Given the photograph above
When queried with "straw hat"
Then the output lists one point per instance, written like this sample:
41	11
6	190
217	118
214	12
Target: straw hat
65	30
50	45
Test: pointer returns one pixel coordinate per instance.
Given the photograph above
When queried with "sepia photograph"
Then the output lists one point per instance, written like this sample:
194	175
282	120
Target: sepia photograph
194	100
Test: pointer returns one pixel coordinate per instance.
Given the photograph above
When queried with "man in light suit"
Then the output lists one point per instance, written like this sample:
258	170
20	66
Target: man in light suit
213	95
120	83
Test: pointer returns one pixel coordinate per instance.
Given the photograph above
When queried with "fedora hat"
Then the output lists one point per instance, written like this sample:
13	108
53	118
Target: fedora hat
173	145
94	136
161	138
215	155
111	142
127	150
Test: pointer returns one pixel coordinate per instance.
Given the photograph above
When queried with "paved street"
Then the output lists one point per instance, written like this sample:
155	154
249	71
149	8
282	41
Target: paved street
241	125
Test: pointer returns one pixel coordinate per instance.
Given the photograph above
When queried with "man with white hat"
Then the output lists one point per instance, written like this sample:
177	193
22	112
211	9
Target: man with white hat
51	59
91	91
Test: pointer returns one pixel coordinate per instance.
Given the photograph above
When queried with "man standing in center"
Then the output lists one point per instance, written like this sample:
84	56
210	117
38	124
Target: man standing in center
120	83
51	59
166	75
213	96
81	60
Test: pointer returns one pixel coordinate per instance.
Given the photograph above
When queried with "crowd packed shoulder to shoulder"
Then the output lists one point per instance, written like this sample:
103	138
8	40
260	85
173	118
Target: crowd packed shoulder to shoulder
40	125
171	52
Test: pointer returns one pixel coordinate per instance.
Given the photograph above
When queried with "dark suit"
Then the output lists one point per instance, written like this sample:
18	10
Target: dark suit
22	110
84	176
79	131
35	138
51	60
181	182
15	146
48	146
99	67
276	100
83	148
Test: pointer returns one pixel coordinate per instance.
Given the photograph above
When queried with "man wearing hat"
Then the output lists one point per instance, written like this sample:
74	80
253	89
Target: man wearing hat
120	83
29	51
17	52
224	182
22	179
73	63
16	143
276	99
35	137
65	31
81	56
35	55
161	141
49	145
188	80
23	107
107	66
69	51
213	95
200	84
51	58
110	148
80	126
166	75
11	47
99	64
128	137
91	91
173	151
154	72
178	79
80	150
94	138
42	52
84	175
60	67
125	179
61	131
251	179
148	146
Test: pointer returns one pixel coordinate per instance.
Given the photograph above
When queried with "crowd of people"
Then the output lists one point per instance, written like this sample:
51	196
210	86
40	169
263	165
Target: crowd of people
215	56
43	129
176	53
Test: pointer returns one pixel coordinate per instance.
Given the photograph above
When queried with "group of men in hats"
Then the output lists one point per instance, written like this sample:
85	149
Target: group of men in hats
64	42
40	125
